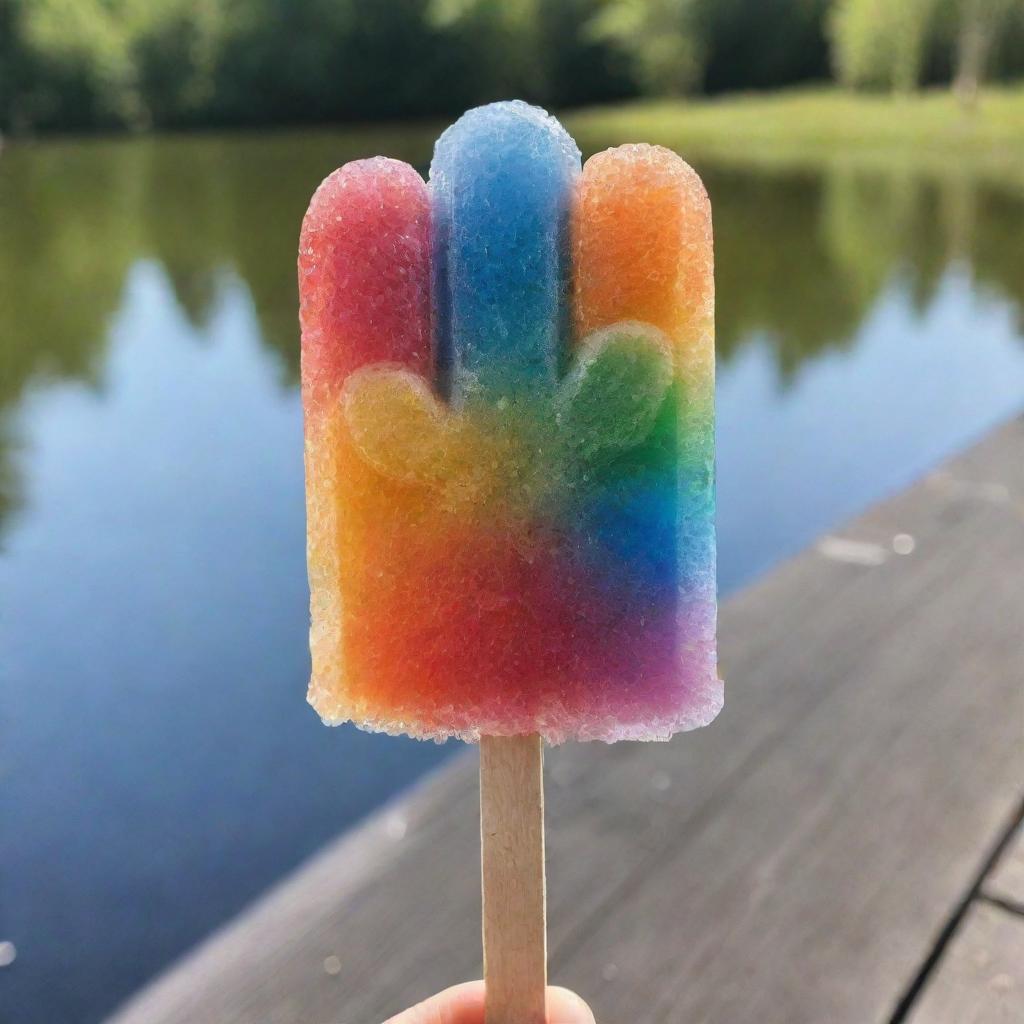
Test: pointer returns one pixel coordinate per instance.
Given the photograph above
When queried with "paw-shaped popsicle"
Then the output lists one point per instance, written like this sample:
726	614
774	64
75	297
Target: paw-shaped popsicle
508	382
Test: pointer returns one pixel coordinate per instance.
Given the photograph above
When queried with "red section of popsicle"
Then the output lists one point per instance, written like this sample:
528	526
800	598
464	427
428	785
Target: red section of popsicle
364	289
364	275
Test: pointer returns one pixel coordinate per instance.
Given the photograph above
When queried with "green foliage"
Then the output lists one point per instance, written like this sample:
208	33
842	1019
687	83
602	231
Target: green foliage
980	24
8	53
662	37
108	63
112	64
769	43
176	54
879	43
503	38
79	62
580	67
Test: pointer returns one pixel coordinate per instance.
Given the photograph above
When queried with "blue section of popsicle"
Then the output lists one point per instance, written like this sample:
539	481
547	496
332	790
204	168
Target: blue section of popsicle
502	179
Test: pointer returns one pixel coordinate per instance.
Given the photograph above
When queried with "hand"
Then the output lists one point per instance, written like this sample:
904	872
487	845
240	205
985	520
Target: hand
464	1004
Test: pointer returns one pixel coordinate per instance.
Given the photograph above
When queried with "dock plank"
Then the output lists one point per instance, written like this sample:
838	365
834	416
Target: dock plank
794	862
815	891
1006	882
980	979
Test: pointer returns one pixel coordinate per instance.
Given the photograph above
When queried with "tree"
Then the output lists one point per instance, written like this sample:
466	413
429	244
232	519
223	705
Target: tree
112	63
881	43
663	38
980	20
505	40
762	45
81	68
176	47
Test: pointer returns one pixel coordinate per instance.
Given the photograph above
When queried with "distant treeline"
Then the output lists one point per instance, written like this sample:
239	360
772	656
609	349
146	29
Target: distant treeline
137	64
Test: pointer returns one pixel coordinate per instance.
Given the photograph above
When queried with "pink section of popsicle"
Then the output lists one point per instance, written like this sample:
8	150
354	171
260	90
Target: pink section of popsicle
364	274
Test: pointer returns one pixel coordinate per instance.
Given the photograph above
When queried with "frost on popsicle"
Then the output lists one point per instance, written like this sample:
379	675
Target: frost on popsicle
508	387
606	405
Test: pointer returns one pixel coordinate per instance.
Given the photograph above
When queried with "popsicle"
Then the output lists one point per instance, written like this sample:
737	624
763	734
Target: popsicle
508	386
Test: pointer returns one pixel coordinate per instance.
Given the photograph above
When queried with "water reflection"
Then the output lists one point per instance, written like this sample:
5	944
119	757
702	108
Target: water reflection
802	255
161	768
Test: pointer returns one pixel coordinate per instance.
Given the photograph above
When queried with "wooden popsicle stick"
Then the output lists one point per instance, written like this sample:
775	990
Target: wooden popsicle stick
512	859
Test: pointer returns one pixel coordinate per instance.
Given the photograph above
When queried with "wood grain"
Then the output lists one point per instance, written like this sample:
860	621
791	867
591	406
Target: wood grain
792	864
980	979
512	863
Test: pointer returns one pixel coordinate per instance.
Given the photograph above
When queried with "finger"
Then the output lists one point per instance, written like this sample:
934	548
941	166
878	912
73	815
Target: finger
460	1004
502	180
642	251
464	1004
364	276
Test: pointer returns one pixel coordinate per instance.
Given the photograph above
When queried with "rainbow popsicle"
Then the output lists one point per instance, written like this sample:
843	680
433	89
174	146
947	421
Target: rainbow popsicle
508	385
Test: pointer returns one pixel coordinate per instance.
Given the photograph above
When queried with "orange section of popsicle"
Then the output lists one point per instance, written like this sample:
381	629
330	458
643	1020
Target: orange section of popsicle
642	245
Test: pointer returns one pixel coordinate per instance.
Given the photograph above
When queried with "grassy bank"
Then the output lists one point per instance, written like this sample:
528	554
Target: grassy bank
927	133
815	125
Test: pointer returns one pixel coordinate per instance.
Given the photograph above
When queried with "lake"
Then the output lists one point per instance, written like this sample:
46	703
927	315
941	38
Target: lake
158	764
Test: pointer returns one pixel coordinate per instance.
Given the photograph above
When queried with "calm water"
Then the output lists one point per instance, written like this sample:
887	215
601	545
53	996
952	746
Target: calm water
158	765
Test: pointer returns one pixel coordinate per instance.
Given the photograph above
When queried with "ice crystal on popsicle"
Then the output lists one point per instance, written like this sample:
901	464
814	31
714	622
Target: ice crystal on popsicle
508	383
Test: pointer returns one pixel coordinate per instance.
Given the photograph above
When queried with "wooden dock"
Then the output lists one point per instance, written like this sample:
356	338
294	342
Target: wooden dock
842	847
